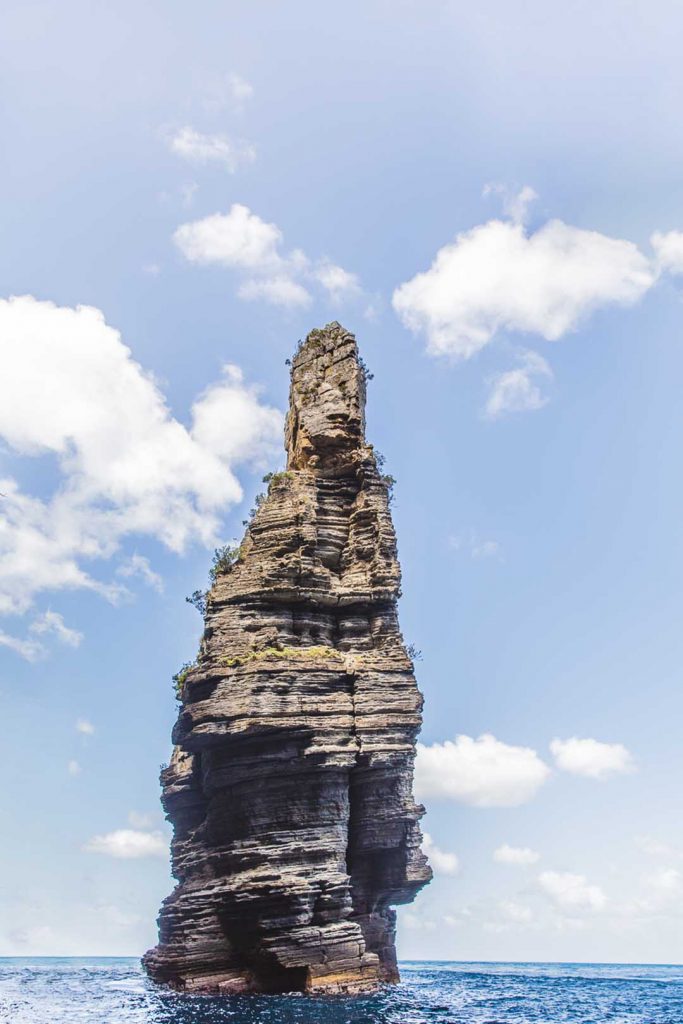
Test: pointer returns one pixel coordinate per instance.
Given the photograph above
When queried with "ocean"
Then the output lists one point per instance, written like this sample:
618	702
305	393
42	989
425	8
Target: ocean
115	991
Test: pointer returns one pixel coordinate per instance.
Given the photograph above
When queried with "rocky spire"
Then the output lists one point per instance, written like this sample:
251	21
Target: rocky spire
290	784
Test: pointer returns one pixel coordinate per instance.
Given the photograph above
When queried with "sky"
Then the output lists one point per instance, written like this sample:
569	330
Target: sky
490	197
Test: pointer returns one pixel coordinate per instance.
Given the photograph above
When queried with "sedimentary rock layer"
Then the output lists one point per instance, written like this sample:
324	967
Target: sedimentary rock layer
290	784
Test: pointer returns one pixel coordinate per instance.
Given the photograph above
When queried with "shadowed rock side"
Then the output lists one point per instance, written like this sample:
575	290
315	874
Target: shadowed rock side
290	784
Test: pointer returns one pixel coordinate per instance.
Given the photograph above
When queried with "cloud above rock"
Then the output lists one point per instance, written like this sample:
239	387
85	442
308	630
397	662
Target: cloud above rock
243	242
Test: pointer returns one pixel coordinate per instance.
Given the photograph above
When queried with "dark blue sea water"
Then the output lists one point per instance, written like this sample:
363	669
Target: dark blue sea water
114	991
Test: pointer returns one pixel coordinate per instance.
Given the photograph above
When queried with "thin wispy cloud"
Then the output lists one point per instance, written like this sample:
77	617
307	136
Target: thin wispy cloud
52	623
137	566
476	546
201	148
517	855
518	390
231	91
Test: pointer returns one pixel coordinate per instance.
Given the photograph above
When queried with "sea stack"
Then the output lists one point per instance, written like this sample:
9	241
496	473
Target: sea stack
290	784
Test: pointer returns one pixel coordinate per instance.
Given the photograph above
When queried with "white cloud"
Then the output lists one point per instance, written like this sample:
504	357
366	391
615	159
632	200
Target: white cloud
571	893
515	204
668	247
127	844
52	622
30	650
238	239
518	855
443	862
591	758
198	148
279	291
515	912
667	881
85	727
138	565
126	466
516	390
229	421
338	282
483	772
73	768
499	277
242	241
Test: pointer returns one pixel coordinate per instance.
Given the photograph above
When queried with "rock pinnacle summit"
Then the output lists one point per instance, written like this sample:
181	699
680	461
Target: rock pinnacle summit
290	784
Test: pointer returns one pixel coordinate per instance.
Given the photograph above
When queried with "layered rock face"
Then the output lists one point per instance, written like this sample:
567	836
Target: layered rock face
290	785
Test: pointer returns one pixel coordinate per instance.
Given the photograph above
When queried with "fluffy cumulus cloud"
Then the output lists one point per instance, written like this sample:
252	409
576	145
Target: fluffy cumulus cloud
591	758
517	855
571	893
442	862
85	727
483	772
518	390
198	148
241	241
128	844
125	465
500	277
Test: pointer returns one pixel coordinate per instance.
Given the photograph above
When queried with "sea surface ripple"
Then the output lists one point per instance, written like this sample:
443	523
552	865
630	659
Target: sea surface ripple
115	991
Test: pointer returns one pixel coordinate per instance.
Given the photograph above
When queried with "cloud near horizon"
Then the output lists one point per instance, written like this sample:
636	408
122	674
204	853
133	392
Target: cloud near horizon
571	893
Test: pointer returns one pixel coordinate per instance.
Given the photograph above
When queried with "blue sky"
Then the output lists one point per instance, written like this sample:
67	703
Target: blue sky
491	199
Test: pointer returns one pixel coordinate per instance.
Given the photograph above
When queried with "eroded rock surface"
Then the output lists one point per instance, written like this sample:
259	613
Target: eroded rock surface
290	785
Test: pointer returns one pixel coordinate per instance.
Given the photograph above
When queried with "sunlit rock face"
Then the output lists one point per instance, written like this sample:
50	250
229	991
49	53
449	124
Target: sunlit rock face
290	785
